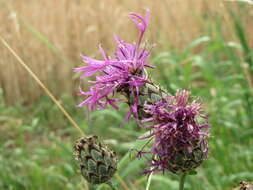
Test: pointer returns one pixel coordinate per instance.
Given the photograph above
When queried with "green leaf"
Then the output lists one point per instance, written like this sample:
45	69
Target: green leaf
193	172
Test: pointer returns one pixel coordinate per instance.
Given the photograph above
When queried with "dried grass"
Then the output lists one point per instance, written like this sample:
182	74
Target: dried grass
74	27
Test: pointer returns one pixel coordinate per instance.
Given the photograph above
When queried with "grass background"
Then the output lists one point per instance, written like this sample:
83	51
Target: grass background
203	46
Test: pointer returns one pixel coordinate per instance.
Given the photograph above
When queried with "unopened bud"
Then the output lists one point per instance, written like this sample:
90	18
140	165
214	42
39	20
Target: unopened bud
97	162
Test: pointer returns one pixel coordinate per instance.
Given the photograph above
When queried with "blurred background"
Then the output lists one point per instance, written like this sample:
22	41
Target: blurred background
203	46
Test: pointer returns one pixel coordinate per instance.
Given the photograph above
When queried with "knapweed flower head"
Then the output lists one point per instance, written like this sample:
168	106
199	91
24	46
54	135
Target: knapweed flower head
98	163
180	138
124	72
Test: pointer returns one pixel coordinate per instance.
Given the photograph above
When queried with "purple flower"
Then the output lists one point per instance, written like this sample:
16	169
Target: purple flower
179	135
124	71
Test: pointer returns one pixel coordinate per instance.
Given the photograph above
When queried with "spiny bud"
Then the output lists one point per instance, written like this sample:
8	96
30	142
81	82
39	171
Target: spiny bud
97	162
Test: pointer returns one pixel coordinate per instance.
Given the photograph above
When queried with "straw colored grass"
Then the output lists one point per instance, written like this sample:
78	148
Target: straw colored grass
50	35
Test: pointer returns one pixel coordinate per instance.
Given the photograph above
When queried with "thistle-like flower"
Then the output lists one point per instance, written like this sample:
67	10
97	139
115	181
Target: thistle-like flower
97	162
123	73
180	138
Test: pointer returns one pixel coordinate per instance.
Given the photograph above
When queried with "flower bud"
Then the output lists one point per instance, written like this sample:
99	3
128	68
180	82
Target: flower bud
149	93
97	162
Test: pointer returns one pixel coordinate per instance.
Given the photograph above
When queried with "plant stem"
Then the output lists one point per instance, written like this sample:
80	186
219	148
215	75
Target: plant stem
149	181
181	183
113	186
92	187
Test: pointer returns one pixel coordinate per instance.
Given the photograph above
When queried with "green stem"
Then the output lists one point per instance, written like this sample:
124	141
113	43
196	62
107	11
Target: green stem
182	180
113	186
149	181
92	187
